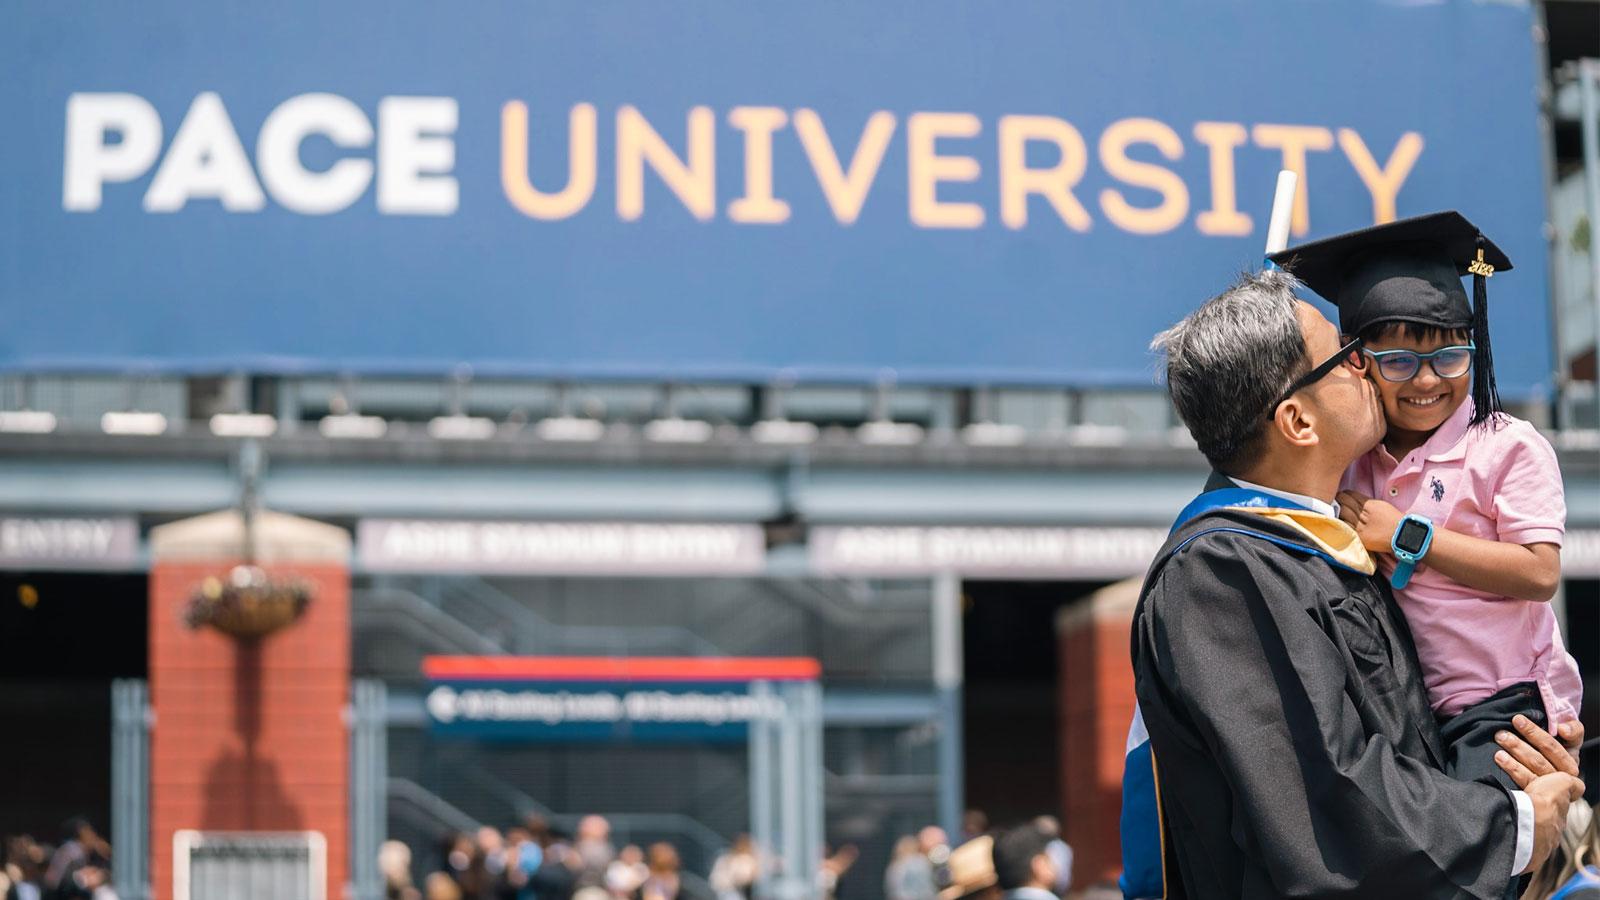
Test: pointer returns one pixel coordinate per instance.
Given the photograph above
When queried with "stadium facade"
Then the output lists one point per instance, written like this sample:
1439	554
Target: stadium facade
596	419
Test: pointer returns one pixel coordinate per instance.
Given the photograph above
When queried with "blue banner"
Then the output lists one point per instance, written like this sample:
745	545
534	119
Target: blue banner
1017	193
595	711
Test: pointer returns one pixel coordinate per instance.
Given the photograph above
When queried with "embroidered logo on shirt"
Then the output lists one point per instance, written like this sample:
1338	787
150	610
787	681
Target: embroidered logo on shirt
1438	489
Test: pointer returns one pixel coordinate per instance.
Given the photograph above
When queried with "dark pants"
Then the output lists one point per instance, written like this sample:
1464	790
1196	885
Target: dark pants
1469	745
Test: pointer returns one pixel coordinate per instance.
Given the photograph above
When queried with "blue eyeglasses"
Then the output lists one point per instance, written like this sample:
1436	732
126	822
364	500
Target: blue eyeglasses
1403	365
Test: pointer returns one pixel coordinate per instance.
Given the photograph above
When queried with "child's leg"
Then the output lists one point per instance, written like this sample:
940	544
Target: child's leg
1469	737
1469	744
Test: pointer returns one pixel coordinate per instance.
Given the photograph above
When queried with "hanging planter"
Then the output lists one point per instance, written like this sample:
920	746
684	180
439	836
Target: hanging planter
247	603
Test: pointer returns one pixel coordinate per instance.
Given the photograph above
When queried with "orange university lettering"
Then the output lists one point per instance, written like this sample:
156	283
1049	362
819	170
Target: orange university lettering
941	164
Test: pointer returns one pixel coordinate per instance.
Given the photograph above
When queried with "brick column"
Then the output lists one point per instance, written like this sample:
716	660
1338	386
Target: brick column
249	736
1096	705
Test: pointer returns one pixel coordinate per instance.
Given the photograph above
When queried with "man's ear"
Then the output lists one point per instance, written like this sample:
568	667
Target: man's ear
1295	423
1044	869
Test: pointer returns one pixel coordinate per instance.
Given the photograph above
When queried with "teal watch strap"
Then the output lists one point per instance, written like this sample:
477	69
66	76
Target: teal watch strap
1402	573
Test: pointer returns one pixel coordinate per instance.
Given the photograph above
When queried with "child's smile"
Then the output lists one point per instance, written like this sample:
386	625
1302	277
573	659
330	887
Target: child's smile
1424	402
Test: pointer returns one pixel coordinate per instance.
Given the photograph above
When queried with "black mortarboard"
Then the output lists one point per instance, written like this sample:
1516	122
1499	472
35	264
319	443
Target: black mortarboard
1409	271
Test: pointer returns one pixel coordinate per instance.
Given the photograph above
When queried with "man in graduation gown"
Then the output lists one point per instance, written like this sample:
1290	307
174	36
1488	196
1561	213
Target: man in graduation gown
1289	730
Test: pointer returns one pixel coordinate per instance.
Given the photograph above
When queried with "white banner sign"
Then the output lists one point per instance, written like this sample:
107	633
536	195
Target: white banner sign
68	542
1024	553
999	552
560	548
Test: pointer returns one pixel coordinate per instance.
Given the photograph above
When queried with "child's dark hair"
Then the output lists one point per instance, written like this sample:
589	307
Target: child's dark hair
1485	398
1414	331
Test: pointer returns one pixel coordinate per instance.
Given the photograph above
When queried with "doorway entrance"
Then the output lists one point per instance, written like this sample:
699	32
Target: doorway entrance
63	638
1011	698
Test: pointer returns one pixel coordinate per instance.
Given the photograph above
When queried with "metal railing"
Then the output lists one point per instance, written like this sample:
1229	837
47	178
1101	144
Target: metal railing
130	788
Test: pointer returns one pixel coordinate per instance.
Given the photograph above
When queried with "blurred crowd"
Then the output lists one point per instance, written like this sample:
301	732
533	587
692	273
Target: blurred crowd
77	868
1031	862
926	866
535	861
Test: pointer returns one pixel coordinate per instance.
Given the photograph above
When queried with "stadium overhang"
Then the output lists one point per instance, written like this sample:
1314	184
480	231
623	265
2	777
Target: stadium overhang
792	492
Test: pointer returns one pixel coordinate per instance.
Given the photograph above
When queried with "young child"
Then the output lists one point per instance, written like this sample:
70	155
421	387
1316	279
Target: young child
1461	503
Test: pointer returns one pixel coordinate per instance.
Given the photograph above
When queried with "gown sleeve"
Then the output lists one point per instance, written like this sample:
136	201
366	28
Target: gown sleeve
1249	651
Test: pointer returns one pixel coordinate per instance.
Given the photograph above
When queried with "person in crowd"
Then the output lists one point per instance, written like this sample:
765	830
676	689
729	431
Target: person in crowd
491	848
1270	665
1060	852
627	872
909	875
663	883
78	866
90	882
394	864
833	868
556	877
441	886
1573	871
455	855
594	850
934	844
974	822
468	865
26	861
969	873
735	871
522	859
1022	864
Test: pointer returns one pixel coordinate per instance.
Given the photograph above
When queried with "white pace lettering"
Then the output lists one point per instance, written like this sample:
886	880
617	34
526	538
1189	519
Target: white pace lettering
92	162
416	154
278	153
205	161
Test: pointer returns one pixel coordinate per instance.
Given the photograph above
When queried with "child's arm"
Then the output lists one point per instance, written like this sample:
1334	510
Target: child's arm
1523	571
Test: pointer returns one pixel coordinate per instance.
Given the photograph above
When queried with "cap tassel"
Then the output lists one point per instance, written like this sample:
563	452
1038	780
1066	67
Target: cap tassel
1485	396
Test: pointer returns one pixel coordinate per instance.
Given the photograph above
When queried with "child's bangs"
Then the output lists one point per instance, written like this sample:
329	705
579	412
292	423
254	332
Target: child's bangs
1417	332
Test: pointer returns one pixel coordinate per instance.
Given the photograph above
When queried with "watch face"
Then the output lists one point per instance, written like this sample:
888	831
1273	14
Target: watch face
1412	534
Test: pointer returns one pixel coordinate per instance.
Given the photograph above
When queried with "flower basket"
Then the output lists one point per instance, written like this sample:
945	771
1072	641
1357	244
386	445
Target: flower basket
247	603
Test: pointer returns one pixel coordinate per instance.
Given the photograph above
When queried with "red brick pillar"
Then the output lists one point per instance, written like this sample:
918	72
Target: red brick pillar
1096	705
249	735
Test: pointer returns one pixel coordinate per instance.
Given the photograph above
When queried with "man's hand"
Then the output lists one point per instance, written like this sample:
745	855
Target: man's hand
1374	520
1551	795
1541	765
1537	752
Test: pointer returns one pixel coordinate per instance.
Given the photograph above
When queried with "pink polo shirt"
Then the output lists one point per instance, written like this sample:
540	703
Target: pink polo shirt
1501	484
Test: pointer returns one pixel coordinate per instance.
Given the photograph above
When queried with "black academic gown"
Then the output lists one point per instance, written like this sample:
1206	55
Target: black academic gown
1295	751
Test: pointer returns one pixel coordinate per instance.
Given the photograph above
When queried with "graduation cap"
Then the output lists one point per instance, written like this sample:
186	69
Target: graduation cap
1409	271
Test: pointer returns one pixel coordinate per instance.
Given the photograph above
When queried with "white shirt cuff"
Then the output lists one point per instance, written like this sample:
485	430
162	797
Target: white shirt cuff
1524	833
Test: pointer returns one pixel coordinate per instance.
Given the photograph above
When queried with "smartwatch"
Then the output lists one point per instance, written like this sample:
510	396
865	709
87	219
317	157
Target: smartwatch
1410	544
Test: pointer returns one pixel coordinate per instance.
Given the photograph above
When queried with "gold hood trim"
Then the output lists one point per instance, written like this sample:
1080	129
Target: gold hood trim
1331	536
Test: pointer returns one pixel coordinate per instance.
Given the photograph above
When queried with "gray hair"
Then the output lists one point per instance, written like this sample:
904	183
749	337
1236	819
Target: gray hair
1229	360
